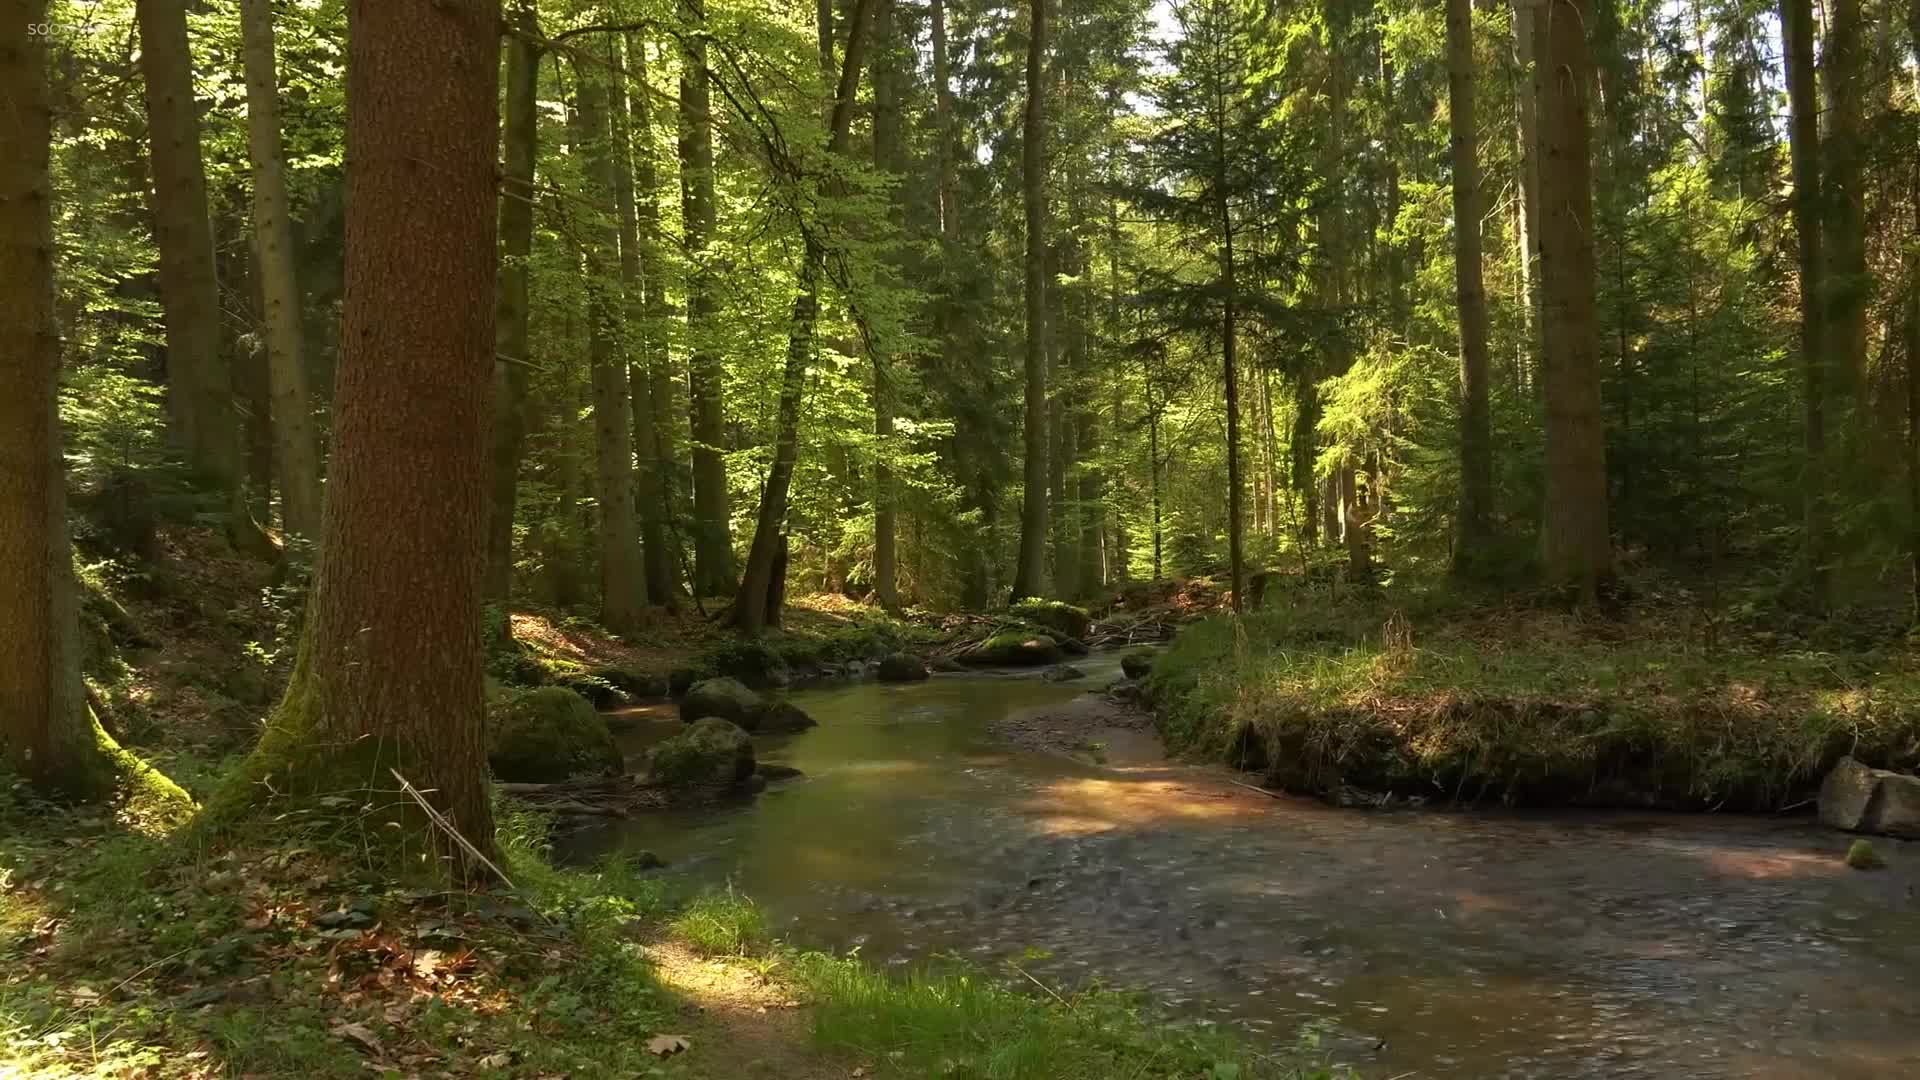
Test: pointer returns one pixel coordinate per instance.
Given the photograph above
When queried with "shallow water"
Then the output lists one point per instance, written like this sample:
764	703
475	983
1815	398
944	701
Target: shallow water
1428	944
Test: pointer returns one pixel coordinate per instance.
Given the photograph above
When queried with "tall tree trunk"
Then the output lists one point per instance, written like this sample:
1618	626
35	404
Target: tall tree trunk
389	673
976	559
47	734
199	387
646	293
622	589
889	158
1476	435
1062	373
1120	556
1845	280
1576	544
714	571
295	448
762	585
1526	37
1803	138
1229	358
520	143
1031	567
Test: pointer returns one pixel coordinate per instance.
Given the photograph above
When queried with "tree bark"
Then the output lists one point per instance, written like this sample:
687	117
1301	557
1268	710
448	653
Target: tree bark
622	588
1526	37
645	297
199	388
1031	568
296	451
1576	544
714	570
520	143
1803	138
1476	436
47	733
389	674
1229	357
762	585
1845	280
889	158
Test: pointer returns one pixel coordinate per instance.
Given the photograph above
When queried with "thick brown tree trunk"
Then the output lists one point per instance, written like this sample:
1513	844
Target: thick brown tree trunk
622	589
1845	282
890	158
1030	569
1576	543
199	388
47	733
763	584
296	450
714	570
389	674
645	296
520	141
1803	139
1473	527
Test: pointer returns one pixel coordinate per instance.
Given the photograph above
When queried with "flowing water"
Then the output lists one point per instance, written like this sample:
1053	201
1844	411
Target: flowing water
1424	944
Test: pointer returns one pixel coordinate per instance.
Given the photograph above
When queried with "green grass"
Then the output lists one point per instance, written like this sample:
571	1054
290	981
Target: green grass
721	924
1529	707
965	1024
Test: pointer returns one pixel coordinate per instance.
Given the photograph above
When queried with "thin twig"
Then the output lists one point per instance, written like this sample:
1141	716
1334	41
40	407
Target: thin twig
446	826
1040	984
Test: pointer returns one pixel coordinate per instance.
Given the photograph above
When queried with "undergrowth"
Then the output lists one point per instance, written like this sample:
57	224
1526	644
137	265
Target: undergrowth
1529	707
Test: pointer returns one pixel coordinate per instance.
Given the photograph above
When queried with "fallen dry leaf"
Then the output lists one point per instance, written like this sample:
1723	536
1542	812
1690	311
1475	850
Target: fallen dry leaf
359	1033
667	1045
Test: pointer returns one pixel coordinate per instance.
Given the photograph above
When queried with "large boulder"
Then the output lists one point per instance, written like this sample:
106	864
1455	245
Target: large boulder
712	751
1857	798
1065	620
1063	673
1137	663
730	700
901	667
725	697
1014	649
547	735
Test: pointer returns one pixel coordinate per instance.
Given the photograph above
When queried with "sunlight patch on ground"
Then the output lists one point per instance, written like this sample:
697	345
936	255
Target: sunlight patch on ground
738	1017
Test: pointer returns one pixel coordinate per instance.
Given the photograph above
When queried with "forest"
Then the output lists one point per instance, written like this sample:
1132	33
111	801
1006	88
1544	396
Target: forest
950	538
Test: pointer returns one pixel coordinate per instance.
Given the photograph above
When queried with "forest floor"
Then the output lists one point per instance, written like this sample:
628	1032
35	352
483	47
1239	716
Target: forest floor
127	949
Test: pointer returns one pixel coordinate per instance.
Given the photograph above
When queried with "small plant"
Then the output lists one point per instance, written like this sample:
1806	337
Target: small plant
1861	856
721	924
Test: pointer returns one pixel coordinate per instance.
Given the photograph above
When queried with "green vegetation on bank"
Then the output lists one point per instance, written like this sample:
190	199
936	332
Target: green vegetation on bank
1453	703
128	950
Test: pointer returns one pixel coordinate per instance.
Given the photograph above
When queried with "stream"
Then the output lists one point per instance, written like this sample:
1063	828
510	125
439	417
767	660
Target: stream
1422	944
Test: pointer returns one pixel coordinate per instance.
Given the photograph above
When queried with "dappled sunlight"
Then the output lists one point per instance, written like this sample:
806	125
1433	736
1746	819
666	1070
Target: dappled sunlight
1768	865
1083	805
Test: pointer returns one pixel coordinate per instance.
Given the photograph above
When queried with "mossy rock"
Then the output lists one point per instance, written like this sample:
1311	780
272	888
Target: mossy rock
725	697
632	681
753	663
1063	619
1861	856
1136	664
781	718
901	667
1063	673
547	735
1014	649
711	751
682	679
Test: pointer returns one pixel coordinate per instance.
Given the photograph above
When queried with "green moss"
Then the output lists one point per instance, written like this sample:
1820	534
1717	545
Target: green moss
1061	618
710	751
1861	856
1014	647
546	735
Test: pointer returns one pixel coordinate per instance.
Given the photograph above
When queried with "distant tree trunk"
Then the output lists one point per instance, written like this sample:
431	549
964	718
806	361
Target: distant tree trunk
47	734
1063	371
977	558
295	448
889	158
1306	418
1526	38
199	388
759	589
622	589
510	373
389	673
646	297
1031	568
1229	359
1476	436
1845	280
1803	138
1117	565
1577	544
714	571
